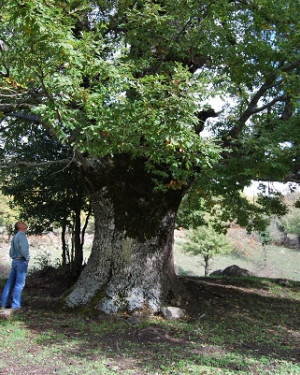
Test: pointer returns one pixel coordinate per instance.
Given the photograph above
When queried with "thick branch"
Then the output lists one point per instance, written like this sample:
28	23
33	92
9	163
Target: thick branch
8	108
288	109
270	82
25	116
291	66
9	112
293	178
252	106
28	164
281	98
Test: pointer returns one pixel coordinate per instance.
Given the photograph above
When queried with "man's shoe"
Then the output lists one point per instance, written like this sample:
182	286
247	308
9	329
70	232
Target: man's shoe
16	310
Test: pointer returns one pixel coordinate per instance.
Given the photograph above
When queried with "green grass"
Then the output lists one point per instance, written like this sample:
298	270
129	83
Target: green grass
250	326
238	327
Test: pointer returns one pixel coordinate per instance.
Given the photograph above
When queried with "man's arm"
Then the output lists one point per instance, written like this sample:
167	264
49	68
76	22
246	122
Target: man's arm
23	246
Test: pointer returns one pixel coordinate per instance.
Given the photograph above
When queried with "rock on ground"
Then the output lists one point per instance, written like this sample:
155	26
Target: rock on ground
234	271
172	313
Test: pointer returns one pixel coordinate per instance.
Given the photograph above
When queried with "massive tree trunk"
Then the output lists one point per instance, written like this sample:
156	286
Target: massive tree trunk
131	264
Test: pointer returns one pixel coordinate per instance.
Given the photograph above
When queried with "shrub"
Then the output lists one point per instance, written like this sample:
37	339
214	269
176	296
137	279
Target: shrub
206	242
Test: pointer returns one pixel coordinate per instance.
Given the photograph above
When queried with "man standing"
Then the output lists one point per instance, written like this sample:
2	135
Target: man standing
19	252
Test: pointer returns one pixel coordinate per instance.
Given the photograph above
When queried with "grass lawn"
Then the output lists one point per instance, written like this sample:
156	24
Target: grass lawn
233	326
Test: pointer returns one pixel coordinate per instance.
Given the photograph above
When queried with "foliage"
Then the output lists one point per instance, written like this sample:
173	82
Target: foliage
291	222
192	210
200	203
100	119
41	193
206	242
137	80
132	77
265	236
42	261
7	215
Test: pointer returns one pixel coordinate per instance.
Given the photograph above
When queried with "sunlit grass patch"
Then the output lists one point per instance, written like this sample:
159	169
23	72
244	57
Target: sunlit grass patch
11	332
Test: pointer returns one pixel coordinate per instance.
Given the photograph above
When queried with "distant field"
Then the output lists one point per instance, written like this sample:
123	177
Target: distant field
274	262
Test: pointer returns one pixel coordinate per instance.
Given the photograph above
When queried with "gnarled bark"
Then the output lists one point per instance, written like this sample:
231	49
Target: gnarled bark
131	264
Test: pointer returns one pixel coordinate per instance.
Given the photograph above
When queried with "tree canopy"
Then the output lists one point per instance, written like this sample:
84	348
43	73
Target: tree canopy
139	77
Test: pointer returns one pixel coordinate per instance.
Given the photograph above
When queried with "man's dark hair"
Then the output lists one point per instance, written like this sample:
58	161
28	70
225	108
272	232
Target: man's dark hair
18	224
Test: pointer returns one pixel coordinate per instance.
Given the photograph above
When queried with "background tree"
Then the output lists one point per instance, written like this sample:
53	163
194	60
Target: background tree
206	242
265	237
128	86
48	195
7	216
291	222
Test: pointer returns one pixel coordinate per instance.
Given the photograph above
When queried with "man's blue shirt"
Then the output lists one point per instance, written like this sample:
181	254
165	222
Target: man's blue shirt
19	246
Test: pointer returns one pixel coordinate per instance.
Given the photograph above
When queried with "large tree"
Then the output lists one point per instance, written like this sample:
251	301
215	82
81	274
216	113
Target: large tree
129	85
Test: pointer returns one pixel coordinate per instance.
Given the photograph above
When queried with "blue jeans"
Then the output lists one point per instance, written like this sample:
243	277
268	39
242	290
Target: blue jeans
15	283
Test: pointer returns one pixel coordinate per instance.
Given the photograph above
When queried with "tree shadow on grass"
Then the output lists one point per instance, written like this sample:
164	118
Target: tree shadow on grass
150	348
247	318
229	327
259	284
